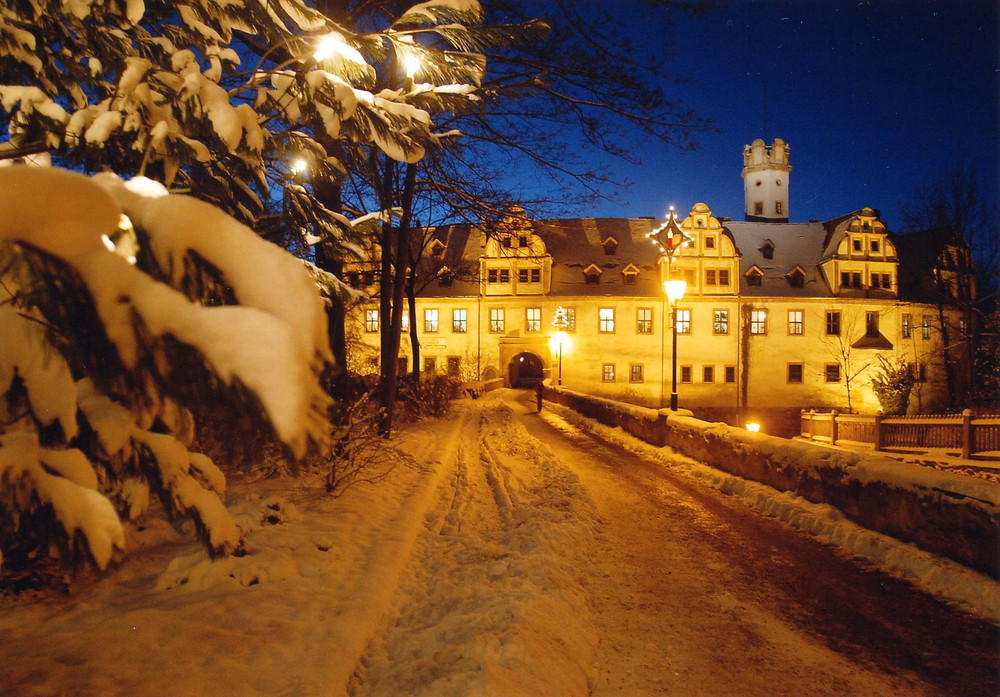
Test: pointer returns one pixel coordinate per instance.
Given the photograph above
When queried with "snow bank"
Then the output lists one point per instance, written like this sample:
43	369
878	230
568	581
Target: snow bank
951	515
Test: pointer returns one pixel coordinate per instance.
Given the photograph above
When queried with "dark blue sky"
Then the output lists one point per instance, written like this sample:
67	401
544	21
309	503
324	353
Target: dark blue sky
873	97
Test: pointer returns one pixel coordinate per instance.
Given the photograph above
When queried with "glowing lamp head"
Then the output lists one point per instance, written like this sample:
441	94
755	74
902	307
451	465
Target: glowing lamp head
753	427
559	341
299	166
674	290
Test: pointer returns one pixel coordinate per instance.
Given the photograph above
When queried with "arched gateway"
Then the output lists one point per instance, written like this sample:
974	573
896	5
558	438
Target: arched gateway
525	370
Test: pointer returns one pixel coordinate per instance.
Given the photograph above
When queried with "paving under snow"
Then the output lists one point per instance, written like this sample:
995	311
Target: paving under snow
470	571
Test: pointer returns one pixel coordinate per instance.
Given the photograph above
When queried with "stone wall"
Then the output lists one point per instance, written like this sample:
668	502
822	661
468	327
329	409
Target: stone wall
950	515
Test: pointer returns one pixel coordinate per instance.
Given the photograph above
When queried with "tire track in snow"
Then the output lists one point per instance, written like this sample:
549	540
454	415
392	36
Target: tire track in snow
489	597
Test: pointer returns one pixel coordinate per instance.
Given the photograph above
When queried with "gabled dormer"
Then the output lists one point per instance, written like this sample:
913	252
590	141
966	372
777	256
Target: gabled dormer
767	249
796	277
436	248
630	274
610	245
755	276
592	275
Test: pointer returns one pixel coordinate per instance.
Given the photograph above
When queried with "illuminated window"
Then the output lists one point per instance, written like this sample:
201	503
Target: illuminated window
925	327
459	321
644	320
635	373
430	320
907	326
608	372
606	320
795	372
720	321
683	320
533	319
833	322
497	320
795	322
404	324
371	321
778	208
758	321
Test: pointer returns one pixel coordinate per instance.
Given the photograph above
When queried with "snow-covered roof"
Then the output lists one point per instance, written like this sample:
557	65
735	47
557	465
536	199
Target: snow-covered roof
794	245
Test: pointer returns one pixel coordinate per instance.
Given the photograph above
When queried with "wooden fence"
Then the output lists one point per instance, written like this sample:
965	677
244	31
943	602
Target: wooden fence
966	432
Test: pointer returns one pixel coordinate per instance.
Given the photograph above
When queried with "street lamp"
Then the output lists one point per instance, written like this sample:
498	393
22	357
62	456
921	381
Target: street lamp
675	291
559	337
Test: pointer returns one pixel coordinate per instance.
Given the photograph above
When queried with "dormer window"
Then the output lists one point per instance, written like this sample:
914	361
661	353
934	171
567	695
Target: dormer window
767	250
796	278
630	274
592	275
522	241
755	277
437	248
610	246
445	277
507	243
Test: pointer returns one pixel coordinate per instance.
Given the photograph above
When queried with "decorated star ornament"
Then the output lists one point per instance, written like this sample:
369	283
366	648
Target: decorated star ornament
669	235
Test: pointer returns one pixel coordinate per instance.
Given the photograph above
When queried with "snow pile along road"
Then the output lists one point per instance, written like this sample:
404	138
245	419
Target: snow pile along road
456	576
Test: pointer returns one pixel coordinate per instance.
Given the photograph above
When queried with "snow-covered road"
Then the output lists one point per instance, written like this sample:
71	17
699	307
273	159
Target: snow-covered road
512	554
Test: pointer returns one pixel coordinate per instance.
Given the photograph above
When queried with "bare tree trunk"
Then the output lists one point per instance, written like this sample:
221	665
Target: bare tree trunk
393	308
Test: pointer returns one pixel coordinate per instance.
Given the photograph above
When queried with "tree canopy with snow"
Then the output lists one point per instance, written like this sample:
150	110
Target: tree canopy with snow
111	323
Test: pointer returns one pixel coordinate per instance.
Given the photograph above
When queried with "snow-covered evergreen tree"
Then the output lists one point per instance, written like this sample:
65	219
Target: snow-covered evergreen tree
119	303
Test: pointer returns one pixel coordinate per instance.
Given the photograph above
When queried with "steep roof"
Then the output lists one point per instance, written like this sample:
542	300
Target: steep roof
795	245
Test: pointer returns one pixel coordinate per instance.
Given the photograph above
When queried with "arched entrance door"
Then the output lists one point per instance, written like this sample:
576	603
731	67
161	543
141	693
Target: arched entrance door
525	370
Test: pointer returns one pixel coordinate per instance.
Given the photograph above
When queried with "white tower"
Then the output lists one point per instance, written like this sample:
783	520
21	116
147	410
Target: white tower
765	181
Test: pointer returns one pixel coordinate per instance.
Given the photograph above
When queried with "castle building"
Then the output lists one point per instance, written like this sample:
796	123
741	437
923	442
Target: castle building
776	316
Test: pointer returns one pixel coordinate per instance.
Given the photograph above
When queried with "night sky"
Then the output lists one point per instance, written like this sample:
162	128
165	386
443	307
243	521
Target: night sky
874	98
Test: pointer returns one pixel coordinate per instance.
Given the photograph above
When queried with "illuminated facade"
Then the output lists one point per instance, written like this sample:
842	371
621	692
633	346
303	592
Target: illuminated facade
775	315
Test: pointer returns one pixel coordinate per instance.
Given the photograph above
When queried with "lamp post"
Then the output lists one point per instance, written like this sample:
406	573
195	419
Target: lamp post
675	291
559	338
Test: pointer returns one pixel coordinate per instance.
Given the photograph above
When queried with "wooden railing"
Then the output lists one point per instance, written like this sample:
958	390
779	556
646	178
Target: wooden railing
966	431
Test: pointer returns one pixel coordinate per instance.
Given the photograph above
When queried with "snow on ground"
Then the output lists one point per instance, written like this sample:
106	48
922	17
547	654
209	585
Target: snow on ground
948	580
482	592
466	572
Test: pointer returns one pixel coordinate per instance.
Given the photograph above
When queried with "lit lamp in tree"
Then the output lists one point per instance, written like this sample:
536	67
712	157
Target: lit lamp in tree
675	291
559	338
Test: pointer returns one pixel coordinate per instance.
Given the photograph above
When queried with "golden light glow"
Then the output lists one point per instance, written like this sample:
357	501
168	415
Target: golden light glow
299	166
754	427
674	290
334	45
411	64
559	340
